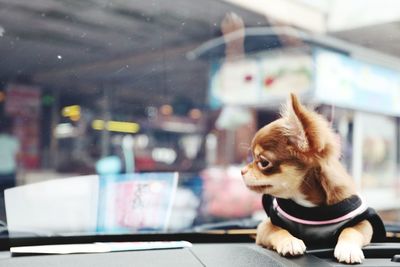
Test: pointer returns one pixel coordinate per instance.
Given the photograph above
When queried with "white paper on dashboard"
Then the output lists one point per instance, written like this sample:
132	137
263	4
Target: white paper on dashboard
98	247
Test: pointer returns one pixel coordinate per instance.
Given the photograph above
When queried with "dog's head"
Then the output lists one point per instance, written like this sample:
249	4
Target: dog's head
288	155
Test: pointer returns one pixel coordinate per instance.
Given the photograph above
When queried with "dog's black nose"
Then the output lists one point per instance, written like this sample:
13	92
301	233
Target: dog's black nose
244	170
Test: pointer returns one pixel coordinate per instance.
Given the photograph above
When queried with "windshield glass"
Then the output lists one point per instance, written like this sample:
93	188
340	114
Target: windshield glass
138	116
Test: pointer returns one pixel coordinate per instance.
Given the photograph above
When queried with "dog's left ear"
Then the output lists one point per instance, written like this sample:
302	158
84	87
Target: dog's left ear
305	129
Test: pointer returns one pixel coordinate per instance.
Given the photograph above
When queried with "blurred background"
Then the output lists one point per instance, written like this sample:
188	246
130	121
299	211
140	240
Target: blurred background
109	86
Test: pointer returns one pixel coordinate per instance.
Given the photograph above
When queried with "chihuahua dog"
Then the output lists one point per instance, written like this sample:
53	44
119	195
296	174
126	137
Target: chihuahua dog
308	195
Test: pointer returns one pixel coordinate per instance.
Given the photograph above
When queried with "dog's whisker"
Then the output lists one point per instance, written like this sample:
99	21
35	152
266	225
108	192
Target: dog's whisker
244	146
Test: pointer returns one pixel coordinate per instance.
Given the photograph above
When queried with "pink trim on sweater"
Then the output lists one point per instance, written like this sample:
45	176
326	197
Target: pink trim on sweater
347	216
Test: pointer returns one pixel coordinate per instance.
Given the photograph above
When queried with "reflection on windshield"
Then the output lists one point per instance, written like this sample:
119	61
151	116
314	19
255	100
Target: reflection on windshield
95	96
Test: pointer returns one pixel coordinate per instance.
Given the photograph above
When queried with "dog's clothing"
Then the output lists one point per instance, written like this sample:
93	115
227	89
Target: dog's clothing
321	225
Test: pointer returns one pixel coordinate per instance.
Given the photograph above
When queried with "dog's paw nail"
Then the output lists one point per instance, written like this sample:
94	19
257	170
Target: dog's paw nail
291	246
348	253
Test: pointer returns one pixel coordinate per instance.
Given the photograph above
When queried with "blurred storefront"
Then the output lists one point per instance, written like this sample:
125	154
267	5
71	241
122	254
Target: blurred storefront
360	95
367	98
208	143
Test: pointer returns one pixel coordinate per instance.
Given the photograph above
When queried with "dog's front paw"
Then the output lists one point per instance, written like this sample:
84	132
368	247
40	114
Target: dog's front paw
290	246
348	252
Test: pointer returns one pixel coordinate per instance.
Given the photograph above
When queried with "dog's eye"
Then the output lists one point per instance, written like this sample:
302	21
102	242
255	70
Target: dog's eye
263	164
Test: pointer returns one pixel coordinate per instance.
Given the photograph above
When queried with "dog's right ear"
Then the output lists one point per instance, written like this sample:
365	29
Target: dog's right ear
305	129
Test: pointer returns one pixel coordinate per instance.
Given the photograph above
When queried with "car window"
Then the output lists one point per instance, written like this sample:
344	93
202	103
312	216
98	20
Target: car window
135	116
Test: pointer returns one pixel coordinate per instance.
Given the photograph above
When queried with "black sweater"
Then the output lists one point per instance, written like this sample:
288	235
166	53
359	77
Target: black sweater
321	226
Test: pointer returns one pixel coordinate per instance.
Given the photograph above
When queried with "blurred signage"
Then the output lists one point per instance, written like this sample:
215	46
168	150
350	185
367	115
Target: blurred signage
73	112
349	83
259	79
23	103
22	100
116	126
136	201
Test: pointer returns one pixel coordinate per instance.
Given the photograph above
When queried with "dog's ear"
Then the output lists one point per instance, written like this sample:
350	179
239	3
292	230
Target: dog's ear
294	128
305	129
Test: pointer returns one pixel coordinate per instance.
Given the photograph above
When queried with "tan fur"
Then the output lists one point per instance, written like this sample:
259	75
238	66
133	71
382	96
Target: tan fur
303	162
